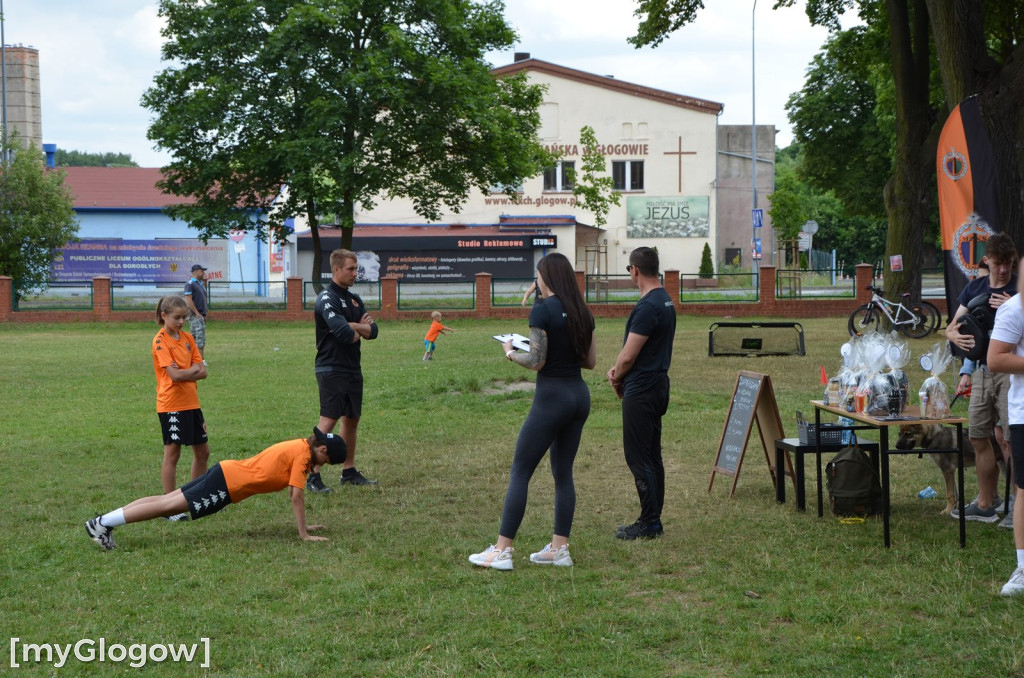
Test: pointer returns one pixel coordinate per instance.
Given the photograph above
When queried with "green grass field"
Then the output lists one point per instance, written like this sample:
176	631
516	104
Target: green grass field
737	587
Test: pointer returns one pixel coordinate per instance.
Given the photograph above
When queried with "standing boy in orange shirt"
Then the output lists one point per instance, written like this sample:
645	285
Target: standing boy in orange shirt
436	329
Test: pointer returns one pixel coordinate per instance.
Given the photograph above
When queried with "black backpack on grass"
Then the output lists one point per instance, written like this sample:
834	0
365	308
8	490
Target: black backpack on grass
853	487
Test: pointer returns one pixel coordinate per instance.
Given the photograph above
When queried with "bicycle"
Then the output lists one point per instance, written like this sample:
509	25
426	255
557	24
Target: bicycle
914	320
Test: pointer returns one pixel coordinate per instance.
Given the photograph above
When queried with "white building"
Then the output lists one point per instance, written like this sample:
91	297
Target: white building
660	148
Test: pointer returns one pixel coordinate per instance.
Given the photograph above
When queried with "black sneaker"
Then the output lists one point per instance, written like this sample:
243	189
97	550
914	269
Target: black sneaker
356	478
316	485
99	533
639	530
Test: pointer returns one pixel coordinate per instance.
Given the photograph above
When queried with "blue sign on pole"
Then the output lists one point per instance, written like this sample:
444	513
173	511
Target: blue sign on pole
758	217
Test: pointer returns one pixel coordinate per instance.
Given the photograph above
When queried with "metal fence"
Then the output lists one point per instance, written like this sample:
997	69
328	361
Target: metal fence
611	289
722	288
54	296
824	283
453	296
509	291
369	292
221	295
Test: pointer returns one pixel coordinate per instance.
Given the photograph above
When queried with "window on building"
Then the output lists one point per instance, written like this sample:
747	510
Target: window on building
501	188
560	177
628	175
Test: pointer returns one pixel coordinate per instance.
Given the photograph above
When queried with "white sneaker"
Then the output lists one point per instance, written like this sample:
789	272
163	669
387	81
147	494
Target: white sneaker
551	556
1014	587
494	558
178	517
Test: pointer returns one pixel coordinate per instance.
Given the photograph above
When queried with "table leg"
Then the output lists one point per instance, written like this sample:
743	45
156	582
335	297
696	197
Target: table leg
780	478
960	482
817	456
883	454
801	490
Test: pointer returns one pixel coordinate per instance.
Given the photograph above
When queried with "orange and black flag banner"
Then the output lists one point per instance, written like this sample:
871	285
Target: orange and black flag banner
968	196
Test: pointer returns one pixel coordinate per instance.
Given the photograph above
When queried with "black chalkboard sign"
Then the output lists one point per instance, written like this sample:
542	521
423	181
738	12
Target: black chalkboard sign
753	400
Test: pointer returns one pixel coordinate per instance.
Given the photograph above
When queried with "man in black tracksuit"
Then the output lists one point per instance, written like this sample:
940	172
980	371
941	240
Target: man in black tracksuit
342	324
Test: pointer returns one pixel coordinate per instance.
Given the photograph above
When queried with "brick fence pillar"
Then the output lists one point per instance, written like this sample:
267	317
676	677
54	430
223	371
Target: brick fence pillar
865	276
672	287
766	288
6	297
483	295
101	298
581	283
293	297
389	297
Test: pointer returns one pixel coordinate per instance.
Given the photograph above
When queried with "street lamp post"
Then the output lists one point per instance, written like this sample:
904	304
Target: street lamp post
753	132
3	84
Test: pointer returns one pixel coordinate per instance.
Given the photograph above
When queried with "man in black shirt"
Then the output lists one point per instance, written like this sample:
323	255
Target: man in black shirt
341	325
987	405
640	378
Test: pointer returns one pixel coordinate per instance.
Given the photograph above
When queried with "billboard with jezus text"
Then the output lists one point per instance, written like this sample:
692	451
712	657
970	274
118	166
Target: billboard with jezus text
673	217
140	261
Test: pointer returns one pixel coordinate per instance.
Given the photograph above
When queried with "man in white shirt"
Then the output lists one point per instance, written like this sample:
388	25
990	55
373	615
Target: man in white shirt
1006	354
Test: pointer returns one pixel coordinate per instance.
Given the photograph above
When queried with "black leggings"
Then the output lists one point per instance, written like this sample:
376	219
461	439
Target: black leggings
560	408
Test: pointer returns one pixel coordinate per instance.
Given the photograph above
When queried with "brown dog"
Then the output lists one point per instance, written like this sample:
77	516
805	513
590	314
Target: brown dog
935	437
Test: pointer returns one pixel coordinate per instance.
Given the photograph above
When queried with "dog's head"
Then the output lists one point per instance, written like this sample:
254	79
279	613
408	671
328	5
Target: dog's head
913	436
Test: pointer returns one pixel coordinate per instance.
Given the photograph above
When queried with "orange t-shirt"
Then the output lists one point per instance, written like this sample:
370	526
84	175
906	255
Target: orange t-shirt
435	329
175	396
275	468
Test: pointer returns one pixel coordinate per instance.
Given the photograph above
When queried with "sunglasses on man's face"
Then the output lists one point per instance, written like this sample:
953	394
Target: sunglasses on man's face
629	268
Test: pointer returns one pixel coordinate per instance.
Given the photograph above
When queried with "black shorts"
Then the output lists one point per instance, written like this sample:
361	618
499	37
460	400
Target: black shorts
207	494
187	427
1017	453
341	395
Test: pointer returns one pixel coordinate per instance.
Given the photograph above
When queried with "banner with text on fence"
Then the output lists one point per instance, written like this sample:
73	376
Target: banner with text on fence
143	261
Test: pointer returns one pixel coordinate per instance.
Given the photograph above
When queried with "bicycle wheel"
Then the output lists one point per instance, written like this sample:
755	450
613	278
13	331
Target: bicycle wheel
920	326
864	319
933	314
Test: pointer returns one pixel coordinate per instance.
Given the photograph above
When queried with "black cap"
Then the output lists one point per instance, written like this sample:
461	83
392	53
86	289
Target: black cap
336	449
198	267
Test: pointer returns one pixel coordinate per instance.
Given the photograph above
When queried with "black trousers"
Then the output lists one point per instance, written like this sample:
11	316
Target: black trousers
641	441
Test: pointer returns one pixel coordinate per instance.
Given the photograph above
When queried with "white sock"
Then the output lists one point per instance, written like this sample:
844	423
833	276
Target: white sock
116	518
1020	557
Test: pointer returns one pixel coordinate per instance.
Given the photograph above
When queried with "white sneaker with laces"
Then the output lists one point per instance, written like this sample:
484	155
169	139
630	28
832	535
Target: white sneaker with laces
494	558
552	556
1014	587
100	533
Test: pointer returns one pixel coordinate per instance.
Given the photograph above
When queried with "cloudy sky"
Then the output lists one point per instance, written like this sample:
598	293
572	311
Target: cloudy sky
97	58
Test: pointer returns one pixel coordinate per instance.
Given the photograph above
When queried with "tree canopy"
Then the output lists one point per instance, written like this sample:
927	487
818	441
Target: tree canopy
37	216
85	159
969	46
343	101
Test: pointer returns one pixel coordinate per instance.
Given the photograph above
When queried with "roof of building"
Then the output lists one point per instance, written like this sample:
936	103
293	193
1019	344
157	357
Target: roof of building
611	83
118	188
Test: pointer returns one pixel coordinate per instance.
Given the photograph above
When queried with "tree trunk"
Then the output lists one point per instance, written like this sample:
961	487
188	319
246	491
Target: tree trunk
909	191
968	69
314	232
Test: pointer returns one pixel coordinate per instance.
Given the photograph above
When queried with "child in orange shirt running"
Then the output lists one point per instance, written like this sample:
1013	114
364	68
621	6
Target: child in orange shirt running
178	365
436	329
229	482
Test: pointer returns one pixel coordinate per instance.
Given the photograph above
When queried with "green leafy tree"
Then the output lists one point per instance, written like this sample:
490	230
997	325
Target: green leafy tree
344	101
977	47
83	159
593	188
37	216
707	268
